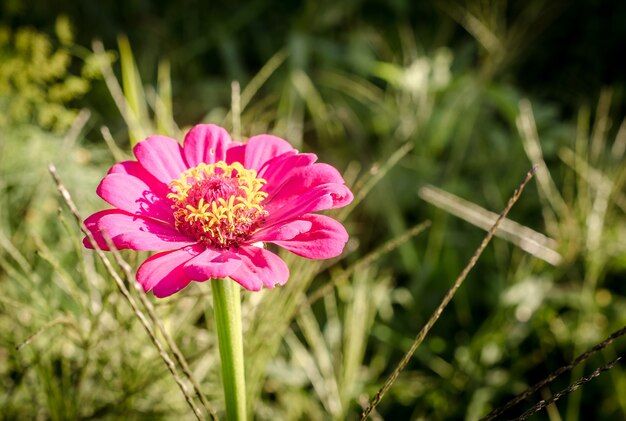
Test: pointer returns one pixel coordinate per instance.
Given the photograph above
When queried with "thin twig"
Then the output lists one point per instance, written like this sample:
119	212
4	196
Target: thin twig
180	358
531	390
448	297
125	292
571	388
63	320
377	172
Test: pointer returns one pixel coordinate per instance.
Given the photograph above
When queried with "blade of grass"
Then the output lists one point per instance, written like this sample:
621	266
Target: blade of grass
314	102
485	35
446	300
530	140
76	128
619	146
114	88
529	240
163	109
592	176
16	255
133	91
367	293
322	356
67	283
600	126
118	154
358	88
235	104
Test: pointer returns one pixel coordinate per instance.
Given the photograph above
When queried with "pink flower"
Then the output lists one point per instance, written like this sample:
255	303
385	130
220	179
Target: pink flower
212	204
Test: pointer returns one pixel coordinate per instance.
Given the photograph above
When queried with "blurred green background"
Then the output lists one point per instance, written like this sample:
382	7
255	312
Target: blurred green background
405	98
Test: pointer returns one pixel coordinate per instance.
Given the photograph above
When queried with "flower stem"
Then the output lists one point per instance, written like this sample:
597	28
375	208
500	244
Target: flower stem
227	308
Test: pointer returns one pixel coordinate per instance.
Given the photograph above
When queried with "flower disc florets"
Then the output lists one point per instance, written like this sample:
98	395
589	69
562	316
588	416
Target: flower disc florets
220	205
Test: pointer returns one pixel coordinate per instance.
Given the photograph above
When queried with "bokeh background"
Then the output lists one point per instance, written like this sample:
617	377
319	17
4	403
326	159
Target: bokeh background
424	106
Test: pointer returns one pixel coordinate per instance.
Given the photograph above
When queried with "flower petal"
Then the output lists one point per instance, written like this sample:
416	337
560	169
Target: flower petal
282	231
135	169
298	181
134	196
212	264
278	170
236	153
164	272
170	285
259	267
326	196
206	143
260	149
325	238
128	231
162	157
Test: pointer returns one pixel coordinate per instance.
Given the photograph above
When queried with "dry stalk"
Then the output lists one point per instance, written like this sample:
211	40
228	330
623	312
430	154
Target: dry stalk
531	390
125	293
448	297
571	388
180	358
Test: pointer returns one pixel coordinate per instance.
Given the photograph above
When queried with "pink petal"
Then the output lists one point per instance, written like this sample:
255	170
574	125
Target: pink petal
325	239
206	143
170	285
298	181
162	157
326	196
134	196
212	264
260	149
236	153
164	271
278	170
128	231
259	267
135	169
282	231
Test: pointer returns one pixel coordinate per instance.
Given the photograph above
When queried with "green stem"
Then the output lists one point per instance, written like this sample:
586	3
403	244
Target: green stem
227	308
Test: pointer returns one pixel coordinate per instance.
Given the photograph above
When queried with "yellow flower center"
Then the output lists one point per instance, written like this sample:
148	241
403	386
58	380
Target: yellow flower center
220	205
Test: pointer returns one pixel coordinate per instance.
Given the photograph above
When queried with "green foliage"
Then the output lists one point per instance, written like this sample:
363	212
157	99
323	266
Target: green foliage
36	85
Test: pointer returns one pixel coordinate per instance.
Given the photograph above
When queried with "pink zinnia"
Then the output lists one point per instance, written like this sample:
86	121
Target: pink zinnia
213	203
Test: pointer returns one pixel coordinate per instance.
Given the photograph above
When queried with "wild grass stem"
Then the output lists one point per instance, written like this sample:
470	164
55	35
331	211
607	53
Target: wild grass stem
446	300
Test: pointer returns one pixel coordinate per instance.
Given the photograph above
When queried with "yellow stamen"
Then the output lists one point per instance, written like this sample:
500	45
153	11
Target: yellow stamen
220	204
